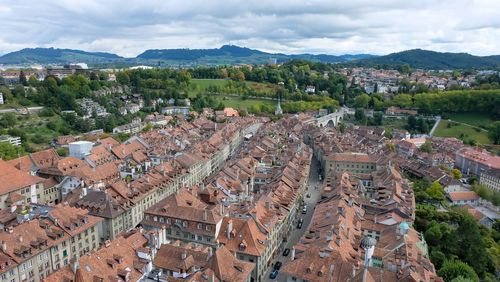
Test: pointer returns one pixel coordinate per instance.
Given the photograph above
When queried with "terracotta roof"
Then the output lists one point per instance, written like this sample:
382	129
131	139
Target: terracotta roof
463	195
109	263
351	157
12	179
243	229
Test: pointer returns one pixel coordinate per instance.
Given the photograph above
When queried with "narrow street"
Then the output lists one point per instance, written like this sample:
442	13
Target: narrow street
296	233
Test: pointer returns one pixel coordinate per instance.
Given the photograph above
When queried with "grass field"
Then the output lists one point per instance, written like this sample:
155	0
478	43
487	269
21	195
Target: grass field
475	119
239	103
462	131
200	85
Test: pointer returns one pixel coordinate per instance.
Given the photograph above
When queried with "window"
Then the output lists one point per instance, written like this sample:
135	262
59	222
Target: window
208	227
200	226
65	253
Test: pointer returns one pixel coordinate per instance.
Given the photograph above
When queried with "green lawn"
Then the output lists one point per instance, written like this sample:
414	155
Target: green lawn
462	131
239	103
199	85
476	119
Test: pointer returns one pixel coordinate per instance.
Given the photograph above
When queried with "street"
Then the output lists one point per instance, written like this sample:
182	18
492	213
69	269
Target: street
296	234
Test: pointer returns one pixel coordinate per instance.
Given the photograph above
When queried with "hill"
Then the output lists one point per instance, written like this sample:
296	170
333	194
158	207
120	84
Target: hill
57	56
230	54
425	59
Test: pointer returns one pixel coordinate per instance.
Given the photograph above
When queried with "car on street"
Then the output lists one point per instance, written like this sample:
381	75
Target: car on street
278	265
273	274
308	195
286	252
304	209
299	225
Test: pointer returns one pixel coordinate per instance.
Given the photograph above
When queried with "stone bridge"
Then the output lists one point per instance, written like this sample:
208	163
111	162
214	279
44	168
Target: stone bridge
331	120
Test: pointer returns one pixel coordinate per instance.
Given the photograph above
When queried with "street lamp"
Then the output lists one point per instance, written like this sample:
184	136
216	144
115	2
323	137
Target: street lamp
368	244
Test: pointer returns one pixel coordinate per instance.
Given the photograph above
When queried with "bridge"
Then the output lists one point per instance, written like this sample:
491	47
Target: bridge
331	120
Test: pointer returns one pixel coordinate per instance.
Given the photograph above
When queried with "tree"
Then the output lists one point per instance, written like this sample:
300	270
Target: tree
342	127
405	68
457	174
433	234
426	147
22	79
436	191
9	151
437	258
360	116
123	78
454	268
361	101
377	118
9	119
471	245
494	132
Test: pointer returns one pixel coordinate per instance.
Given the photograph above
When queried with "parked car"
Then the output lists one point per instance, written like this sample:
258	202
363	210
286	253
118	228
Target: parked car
299	225
304	210
308	195
273	274
286	252
278	265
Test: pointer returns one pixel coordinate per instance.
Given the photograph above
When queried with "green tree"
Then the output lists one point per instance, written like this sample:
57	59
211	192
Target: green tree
360	116
452	269
471	245
362	101
436	191
457	174
494	132
9	151
9	119
426	147
433	234
405	68
22	78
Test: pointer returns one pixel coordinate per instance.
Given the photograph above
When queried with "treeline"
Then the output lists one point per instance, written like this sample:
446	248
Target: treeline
295	76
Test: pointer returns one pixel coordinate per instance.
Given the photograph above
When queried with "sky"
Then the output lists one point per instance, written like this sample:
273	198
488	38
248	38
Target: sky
335	27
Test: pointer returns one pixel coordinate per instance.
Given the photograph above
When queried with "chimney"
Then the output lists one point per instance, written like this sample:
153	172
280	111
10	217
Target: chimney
221	208
210	253
4	246
229	228
183	255
20	238
375	219
293	253
75	265
205	214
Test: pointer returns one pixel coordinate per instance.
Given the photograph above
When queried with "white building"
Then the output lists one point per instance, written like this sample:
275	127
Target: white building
14	140
80	149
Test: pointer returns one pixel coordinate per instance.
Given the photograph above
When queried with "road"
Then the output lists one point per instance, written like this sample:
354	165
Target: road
30	109
296	234
438	119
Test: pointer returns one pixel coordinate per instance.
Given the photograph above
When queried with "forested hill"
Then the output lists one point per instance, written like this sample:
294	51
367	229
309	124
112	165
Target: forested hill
230	54
225	55
57	56
424	59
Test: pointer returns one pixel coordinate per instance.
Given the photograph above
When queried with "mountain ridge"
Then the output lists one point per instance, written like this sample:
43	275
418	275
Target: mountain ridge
232	55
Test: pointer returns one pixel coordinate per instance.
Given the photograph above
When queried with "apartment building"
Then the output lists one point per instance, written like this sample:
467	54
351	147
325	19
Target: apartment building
39	246
473	161
17	187
185	217
351	162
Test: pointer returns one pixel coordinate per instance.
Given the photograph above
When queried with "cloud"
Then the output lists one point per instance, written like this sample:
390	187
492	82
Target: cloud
356	26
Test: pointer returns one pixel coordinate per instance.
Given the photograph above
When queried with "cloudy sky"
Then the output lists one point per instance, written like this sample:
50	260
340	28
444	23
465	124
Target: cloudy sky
289	26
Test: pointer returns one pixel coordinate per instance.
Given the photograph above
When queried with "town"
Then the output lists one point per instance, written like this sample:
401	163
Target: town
239	199
249	141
